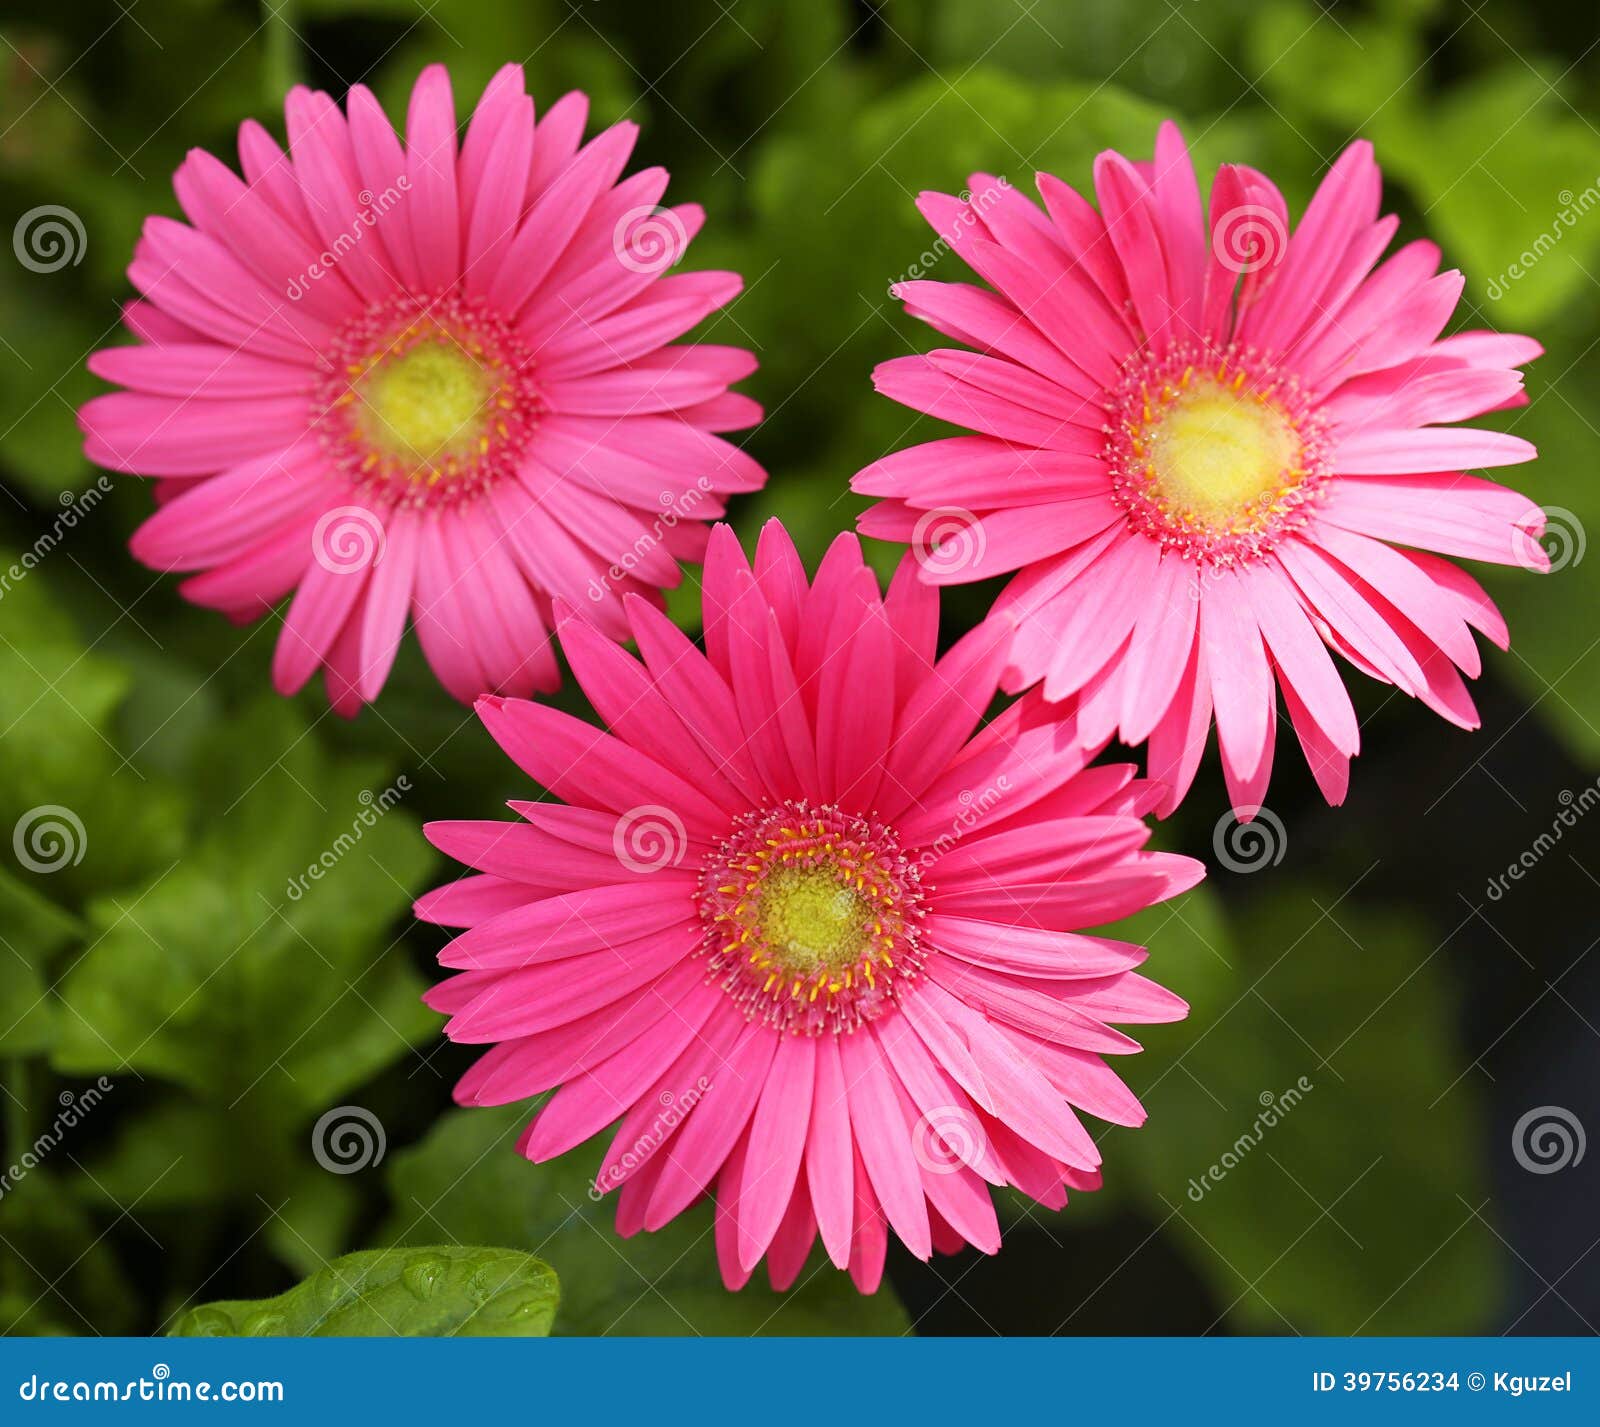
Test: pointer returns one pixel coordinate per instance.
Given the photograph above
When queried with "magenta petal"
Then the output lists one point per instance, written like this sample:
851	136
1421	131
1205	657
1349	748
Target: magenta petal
884	1139
777	1145
793	1004
295	307
1164	403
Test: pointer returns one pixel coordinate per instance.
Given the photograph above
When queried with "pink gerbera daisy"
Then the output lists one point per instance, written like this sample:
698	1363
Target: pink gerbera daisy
431	379
804	929
1201	441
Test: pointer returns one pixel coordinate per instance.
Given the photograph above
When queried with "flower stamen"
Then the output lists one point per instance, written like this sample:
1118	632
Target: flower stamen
813	918
1214	452
426	401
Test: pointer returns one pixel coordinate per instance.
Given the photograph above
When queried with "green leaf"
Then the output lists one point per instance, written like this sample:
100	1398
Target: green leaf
1348	71
56	696
179	1159
313	1221
44	380
836	217
170	707
73	812
1184	56
1311	1144
1555	661
258	967
26	1316
467	1180
435	1291
1510	145
32	930
482	34
177	1155
58	1271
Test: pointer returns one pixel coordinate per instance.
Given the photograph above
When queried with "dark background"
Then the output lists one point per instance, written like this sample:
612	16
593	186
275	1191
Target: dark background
1370	957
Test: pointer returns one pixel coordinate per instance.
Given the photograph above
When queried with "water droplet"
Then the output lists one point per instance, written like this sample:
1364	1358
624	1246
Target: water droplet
423	1276
490	1280
209	1323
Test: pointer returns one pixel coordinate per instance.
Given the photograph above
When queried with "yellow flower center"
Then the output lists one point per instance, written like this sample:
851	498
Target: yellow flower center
427	404
1214	454
812	918
426	401
1221	458
810	921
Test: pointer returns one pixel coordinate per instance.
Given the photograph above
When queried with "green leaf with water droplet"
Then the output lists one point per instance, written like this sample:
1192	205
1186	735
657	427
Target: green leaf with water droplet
466	1179
430	1292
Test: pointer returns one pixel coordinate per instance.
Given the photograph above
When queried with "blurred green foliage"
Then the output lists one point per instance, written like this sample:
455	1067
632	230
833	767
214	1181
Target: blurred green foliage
169	954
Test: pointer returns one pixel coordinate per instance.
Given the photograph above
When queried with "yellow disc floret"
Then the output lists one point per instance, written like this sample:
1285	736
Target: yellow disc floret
810	921
430	402
1221	457
426	401
1214	453
813	918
